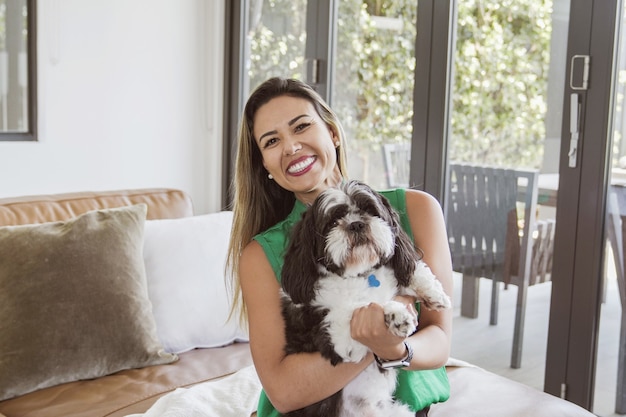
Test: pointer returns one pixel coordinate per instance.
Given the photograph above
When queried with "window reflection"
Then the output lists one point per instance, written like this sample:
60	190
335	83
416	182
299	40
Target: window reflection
16	70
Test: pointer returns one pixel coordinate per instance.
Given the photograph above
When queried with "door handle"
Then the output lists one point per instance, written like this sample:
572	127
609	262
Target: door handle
584	84
574	116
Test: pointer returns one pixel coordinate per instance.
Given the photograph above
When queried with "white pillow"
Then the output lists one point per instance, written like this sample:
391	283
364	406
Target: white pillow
185	261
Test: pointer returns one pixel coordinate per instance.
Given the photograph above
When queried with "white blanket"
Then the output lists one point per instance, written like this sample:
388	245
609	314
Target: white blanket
233	396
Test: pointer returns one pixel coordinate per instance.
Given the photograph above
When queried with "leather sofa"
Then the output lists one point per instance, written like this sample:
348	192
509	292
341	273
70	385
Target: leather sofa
475	391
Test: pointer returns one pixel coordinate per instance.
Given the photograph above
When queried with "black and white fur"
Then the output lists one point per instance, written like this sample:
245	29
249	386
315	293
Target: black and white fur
349	234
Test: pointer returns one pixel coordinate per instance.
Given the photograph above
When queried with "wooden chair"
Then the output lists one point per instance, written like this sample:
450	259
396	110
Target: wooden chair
397	159
489	239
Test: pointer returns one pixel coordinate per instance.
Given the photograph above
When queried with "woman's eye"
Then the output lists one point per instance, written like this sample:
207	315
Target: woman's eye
302	126
269	142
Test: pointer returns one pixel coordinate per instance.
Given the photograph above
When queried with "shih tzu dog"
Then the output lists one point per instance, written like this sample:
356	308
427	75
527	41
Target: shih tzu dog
347	251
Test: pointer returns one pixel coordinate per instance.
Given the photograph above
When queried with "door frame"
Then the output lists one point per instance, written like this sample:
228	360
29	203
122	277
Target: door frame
577	273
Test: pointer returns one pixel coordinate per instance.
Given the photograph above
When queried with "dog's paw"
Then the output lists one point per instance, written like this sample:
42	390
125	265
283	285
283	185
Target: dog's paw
428	289
400	321
436	300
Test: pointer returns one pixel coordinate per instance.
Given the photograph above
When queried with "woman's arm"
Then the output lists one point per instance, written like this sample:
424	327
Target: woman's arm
294	381
431	343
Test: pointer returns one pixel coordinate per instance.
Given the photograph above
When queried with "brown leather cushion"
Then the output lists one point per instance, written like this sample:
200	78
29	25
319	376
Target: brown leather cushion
162	203
130	391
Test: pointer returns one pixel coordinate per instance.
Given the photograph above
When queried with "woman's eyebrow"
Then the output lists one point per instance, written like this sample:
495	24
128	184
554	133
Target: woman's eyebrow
295	119
271	132
290	123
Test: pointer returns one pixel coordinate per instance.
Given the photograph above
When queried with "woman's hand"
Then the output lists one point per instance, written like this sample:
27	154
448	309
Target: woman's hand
368	327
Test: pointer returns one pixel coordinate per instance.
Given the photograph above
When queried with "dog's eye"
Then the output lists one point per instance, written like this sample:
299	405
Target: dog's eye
327	227
367	206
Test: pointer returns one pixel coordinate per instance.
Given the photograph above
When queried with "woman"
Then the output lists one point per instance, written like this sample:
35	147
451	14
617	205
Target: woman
291	148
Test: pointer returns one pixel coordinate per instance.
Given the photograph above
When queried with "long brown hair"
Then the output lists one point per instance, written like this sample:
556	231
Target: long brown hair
258	202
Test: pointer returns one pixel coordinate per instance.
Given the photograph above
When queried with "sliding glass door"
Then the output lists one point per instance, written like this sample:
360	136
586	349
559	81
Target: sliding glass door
506	110
427	89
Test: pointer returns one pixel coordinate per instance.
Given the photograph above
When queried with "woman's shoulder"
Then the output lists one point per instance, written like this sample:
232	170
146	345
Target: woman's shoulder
407	201
274	240
421	200
281	230
422	208
272	232
252	256
414	207
252	251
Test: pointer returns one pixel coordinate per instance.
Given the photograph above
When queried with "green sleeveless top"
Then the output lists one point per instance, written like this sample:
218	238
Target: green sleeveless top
418	389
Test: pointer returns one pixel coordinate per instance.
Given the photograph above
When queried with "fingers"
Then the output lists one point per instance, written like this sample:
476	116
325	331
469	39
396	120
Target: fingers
409	302
368	322
412	310
368	326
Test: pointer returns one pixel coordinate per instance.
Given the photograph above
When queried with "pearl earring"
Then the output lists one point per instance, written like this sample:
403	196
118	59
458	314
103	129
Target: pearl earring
337	143
270	176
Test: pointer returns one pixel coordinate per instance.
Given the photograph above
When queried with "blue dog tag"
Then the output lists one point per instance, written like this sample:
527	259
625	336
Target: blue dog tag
372	281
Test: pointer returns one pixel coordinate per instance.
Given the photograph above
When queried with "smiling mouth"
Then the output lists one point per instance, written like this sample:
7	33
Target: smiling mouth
301	166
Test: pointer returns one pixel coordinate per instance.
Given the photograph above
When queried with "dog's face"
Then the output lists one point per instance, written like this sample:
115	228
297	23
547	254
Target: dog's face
348	232
355	227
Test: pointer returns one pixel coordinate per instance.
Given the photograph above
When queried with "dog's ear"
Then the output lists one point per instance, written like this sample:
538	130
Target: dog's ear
300	271
405	255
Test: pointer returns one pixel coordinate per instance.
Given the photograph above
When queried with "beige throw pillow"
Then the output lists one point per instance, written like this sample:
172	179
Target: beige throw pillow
74	301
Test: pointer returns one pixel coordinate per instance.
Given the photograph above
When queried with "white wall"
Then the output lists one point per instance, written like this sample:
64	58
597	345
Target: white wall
130	95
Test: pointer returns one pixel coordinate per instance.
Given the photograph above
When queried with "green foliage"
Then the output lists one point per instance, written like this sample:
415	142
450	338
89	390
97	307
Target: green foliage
277	38
375	69
500	79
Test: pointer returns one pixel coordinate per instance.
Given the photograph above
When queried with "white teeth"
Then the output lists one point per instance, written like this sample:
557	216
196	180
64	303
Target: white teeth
300	166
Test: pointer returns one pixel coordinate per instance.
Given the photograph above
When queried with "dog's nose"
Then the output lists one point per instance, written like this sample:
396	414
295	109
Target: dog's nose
357	226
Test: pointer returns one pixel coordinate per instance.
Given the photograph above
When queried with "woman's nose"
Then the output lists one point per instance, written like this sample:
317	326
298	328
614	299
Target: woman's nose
291	146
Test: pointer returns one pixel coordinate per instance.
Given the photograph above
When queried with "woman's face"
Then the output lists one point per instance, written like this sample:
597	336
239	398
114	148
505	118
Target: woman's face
298	147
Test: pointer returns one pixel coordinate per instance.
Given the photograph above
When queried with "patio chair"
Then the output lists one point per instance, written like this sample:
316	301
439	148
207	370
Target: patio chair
489	239
397	159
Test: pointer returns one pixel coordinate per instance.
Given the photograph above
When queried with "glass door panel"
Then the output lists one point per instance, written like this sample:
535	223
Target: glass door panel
504	140
275	41
372	78
610	390
373	87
